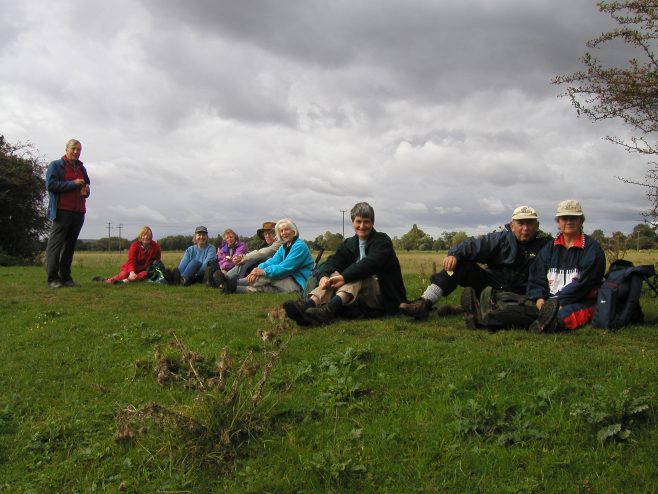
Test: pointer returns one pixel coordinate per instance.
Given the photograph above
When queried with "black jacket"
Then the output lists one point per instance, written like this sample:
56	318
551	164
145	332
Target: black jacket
380	260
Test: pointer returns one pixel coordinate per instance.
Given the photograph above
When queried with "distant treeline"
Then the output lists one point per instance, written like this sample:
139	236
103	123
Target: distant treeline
643	237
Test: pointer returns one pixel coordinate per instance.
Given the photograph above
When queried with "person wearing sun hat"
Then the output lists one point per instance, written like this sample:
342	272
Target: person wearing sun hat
271	243
565	277
507	254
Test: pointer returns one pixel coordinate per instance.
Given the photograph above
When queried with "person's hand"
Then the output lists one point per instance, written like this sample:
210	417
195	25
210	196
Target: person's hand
254	275
449	263
132	276
79	182
324	282
539	303
336	281
238	259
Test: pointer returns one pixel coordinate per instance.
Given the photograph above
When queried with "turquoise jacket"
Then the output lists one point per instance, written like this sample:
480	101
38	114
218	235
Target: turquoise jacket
297	262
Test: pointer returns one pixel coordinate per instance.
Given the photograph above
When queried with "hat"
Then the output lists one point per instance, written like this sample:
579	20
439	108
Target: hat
570	207
268	225
524	213
201	229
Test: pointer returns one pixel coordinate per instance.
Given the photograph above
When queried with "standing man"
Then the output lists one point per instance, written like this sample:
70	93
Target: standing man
508	255
68	188
364	273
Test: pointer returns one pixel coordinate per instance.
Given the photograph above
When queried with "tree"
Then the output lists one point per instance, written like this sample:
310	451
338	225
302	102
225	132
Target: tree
628	93
22	208
328	241
643	237
415	239
598	235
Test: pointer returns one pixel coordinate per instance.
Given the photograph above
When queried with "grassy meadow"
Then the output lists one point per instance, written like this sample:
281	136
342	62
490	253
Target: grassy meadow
154	389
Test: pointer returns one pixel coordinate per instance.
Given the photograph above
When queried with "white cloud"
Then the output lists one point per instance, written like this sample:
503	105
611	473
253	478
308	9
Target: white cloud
440	114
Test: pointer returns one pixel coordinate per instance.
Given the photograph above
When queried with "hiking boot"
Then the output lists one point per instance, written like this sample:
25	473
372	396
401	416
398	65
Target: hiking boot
175	277
322	315
296	310
547	320
70	284
419	309
449	310
55	284
471	306
230	285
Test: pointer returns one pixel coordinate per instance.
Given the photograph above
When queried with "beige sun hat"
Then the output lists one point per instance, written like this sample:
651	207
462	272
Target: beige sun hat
524	213
570	207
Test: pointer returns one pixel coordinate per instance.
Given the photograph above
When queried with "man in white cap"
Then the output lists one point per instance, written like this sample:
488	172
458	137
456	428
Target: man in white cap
507	254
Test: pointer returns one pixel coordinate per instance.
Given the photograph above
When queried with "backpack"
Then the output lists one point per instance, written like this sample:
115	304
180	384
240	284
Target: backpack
312	281
156	273
506	310
618	299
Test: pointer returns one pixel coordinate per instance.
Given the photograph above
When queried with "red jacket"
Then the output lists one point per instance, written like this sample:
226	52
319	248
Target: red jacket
139	259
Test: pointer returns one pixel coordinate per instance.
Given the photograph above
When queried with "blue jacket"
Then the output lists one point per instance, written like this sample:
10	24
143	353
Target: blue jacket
56	184
193	253
297	263
569	274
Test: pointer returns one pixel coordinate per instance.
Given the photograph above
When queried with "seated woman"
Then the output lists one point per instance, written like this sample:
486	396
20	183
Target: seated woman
566	274
286	271
141	254
195	259
271	243
231	250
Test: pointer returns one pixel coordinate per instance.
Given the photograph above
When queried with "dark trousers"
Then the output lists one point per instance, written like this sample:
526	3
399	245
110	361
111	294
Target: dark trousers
61	244
466	273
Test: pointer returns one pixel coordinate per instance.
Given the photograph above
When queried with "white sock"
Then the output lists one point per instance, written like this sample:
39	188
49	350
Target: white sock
432	293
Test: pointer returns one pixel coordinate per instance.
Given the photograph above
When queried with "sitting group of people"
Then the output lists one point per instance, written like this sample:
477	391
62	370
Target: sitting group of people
515	278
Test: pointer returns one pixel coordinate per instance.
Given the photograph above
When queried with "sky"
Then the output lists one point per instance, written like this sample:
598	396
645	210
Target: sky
230	113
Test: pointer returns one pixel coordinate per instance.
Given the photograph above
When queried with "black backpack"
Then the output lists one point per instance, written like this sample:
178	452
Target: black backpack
618	300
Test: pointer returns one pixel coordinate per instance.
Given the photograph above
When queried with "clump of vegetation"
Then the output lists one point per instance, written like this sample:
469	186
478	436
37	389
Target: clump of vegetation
614	417
506	424
231	406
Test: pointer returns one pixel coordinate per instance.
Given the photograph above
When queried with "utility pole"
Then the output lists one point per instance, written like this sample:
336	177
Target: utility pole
109	230
120	226
343	211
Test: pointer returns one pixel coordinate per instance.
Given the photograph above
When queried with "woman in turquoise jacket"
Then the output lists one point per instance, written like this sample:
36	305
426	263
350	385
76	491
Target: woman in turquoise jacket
286	271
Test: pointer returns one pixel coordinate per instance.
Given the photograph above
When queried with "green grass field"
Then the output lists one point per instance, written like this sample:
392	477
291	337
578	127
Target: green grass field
385	405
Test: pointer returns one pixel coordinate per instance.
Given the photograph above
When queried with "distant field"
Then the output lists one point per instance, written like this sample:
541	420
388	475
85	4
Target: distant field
386	405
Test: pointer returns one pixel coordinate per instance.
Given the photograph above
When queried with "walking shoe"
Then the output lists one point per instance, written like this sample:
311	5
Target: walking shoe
296	310
55	284
419	309
217	279
322	315
175	277
230	285
208	279
547	320
449	310
471	306
70	284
